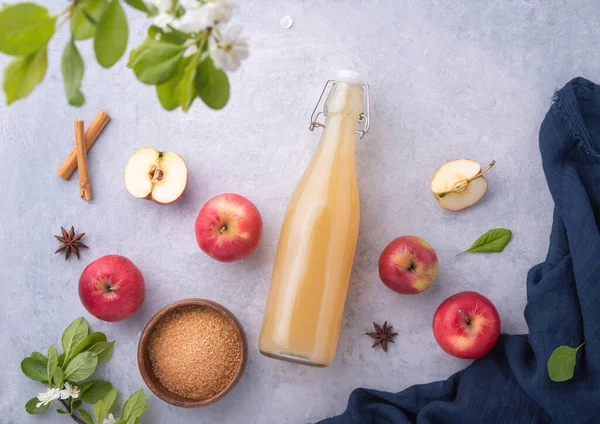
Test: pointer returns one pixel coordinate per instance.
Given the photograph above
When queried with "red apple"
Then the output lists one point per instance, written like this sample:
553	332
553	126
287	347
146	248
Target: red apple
112	288
228	227
466	325
408	265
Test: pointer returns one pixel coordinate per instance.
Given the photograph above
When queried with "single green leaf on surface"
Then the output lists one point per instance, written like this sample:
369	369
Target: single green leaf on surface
493	241
23	73
75	333
187	89
157	62
109	399
58	378
34	369
93	391
112	32
212	85
89	341
25	28
32	409
138	4
85	416
85	17
82	366
38	356
61	411
100	411
561	364
103	350
168	93
134	406
52	362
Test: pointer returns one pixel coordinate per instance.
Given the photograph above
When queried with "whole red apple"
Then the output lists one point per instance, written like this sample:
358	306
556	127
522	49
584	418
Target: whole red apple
466	325
228	227
112	288
408	265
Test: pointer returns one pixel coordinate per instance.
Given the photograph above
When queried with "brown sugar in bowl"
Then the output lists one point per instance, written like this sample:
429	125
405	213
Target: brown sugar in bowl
172	322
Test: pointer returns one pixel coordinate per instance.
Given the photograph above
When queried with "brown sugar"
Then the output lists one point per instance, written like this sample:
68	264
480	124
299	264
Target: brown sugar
195	352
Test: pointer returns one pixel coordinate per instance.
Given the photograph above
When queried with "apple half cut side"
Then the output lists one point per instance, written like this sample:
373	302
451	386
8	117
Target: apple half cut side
155	175
459	184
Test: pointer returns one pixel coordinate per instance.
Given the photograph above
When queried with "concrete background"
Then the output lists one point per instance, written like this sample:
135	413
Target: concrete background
449	79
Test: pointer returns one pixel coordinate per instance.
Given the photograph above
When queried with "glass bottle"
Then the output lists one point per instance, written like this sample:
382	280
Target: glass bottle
318	237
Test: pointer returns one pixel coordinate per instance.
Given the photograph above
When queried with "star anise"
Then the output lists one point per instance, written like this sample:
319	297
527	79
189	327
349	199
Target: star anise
382	336
70	242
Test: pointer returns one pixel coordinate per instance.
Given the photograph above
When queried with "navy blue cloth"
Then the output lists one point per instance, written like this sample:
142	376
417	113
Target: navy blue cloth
511	384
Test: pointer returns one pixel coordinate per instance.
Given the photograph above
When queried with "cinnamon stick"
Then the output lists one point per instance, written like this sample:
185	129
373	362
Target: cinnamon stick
85	188
69	165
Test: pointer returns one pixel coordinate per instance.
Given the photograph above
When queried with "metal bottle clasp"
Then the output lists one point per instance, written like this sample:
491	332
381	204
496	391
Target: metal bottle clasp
362	118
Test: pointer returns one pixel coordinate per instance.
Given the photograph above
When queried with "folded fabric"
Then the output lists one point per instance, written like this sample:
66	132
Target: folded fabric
511	383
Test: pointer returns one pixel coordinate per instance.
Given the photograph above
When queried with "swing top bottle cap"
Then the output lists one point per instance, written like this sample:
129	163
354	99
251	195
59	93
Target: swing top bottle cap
350	76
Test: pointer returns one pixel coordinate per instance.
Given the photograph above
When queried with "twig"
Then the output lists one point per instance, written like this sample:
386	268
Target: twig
70	411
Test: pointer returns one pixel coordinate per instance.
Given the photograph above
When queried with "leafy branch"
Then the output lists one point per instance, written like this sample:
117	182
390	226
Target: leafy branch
176	56
64	377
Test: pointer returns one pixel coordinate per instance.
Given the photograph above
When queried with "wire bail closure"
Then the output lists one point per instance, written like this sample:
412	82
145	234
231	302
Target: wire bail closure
362	118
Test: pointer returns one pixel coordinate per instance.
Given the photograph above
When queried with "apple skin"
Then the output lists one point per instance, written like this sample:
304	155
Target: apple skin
408	265
466	339
112	288
228	227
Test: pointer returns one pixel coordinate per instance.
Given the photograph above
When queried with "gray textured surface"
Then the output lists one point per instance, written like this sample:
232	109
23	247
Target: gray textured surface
449	79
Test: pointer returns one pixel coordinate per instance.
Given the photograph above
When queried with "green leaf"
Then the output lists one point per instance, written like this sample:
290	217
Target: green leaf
85	17
103	350
88	342
134	406
110	39
61	359
153	31
100	411
23	74
58	378
175	36
155	62
52	361
93	391
32	409
34	369
85	415
76	404
38	356
25	28
187	89
138	4
168	93
131	420
61	411
109	399
82	366
493	241
561	364
75	333
212	85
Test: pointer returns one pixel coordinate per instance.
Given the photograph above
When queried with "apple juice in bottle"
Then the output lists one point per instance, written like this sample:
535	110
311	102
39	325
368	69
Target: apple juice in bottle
318	237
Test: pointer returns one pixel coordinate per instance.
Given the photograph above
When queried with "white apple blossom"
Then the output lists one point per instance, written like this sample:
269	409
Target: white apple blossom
47	397
110	419
228	50
162	5
204	16
163	20
69	392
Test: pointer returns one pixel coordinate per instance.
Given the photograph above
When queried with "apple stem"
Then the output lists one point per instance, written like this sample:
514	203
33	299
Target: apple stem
464	316
222	229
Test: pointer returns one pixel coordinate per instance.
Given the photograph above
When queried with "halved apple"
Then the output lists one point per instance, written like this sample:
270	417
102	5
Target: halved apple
155	175
459	184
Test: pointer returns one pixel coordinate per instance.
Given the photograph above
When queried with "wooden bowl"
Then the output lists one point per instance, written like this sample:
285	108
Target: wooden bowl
145	365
